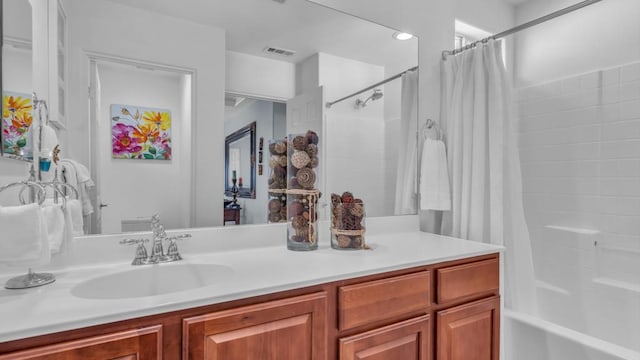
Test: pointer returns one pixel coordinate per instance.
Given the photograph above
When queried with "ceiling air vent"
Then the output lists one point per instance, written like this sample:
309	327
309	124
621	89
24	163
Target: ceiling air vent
278	51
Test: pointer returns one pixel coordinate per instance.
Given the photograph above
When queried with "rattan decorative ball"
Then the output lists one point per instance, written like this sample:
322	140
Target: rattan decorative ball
280	171
357	210
275	205
299	222
314	162
312	149
295	209
280	148
343	241
348	223
275	217
300	159
312	137
300	143
282	161
274	160
356	241
306	178
335	199
347	197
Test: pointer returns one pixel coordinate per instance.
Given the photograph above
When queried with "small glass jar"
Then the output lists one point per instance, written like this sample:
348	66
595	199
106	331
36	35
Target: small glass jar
302	192
348	226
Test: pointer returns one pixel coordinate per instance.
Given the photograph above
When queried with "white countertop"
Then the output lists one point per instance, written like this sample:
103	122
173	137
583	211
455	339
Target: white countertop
256	270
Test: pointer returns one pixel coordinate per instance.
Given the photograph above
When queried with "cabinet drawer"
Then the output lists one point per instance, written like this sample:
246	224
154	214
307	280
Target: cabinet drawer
372	301
461	281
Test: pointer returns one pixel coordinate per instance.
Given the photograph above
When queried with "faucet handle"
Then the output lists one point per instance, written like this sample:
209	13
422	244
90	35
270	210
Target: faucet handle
133	241
172	249
141	251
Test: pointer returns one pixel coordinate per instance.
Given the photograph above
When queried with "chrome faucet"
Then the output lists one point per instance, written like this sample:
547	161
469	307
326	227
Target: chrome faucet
157	252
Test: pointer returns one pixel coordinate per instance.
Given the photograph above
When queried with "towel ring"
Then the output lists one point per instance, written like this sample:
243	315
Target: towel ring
41	193
68	186
43	185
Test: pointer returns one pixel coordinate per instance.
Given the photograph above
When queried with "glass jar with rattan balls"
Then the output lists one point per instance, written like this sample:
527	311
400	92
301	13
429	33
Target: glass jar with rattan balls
347	222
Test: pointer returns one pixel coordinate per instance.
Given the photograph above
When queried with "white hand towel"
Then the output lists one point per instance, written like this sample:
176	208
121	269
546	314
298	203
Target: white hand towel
435	193
23	239
74	207
56	226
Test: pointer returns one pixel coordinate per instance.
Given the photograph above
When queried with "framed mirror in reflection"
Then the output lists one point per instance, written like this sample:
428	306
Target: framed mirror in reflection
296	55
240	162
16	78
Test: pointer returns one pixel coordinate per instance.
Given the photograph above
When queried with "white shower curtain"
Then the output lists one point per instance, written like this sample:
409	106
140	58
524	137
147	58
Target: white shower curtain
484	165
406	200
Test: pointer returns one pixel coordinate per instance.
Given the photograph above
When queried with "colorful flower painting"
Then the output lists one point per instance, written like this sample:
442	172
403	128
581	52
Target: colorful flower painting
140	133
16	120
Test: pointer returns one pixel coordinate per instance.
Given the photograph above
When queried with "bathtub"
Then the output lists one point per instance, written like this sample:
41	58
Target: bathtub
531	338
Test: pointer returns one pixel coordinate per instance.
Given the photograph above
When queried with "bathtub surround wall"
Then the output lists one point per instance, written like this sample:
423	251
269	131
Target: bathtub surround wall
580	148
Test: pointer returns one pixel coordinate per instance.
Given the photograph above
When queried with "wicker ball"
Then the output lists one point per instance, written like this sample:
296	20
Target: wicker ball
280	148
299	222
306	178
300	159
349	223
312	137
275	205
357	242
357	210
282	161
280	171
295	209
335	199
347	197
300	143
343	241
274	160
314	162
275	217
312	149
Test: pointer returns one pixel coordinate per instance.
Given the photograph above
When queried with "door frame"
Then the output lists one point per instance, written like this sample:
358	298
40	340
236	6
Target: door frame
92	59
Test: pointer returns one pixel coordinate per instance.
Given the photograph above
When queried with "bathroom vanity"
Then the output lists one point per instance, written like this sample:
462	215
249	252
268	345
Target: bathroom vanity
415	295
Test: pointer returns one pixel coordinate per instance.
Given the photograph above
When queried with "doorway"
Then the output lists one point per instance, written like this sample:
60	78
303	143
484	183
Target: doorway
133	186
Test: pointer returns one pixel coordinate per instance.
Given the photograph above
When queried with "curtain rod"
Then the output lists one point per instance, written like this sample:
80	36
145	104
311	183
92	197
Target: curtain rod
329	104
521	27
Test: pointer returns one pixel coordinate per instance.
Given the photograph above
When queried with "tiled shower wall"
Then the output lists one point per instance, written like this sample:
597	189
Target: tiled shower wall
580	151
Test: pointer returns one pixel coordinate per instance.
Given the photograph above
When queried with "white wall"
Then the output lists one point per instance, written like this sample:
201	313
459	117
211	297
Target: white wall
146	181
601	35
355	137
580	152
107	28
254	211
259	77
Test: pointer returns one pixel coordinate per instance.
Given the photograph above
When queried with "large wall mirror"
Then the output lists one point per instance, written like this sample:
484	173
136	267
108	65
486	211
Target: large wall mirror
215	67
16	79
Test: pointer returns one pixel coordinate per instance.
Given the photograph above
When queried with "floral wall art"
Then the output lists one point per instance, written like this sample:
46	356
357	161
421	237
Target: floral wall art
16	120
140	133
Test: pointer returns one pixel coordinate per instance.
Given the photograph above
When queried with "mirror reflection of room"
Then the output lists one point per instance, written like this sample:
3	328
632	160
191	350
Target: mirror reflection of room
288	58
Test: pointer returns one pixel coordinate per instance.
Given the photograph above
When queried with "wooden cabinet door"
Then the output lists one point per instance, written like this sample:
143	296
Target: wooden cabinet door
470	331
406	340
137	344
287	329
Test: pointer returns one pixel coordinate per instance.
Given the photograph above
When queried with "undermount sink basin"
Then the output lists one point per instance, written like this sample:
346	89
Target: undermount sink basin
150	280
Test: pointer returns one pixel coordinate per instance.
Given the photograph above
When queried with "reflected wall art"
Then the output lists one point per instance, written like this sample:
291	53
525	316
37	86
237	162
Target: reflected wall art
140	132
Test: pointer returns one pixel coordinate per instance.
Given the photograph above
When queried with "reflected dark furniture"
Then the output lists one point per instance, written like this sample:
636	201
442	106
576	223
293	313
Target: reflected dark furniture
232	214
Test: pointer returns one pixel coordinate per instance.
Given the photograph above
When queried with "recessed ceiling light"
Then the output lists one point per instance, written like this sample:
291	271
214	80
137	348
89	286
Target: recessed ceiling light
402	36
